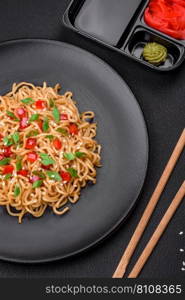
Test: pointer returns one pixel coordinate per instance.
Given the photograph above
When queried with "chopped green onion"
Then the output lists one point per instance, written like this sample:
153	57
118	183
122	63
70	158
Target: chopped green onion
69	156
51	103
73	172
32	133
15	137
40	174
46	159
17	191
54	175
27	101
10	140
34	117
56	114
7	140
50	137
45	126
37	184
19	164
63	131
7	176
11	115
4	161
80	154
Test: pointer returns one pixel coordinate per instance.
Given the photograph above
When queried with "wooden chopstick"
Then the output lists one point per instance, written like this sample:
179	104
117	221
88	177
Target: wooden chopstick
158	232
120	271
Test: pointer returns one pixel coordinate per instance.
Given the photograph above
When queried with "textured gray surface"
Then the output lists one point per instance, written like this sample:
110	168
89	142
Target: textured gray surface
162	99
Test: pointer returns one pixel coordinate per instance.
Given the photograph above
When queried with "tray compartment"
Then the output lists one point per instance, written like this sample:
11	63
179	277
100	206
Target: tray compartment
141	36
142	21
105	20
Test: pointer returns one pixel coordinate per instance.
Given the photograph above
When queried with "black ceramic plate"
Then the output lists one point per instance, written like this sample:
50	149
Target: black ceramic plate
121	131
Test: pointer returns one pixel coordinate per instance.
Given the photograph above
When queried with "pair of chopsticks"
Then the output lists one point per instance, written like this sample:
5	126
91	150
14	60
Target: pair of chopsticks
120	271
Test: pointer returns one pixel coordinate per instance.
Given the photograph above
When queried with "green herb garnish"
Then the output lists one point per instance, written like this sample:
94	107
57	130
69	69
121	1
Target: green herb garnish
32	133
7	176
15	137
69	156
51	103
46	159
34	117
45	126
4	161
72	156
56	114
63	131
11	115
73	172
19	163
7	140
50	137
54	175
10	140
80	154
40	174
17	191
27	101
37	184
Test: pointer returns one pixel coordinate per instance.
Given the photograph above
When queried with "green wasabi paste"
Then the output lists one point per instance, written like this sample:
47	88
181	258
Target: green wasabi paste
155	53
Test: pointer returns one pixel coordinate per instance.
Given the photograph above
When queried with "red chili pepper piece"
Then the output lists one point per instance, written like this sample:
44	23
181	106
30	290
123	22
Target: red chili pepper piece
66	176
57	144
7	151
1	137
34	178
31	143
63	117
8	169
24	123
167	16
21	112
32	157
46	167
73	128
1	156
40	104
40	124
23	173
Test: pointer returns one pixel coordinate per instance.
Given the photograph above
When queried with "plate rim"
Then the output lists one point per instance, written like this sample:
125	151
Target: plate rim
131	207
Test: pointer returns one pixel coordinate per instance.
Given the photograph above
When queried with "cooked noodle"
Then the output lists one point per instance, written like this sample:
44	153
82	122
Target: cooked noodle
68	143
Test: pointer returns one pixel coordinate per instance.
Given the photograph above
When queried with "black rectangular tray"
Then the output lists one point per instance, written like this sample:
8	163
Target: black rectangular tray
121	27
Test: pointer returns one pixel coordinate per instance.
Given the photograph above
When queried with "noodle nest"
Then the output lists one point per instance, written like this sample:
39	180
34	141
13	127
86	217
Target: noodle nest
56	176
